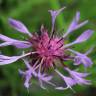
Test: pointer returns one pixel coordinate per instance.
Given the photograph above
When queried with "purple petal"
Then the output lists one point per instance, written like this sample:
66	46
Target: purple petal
74	25
5	44
82	58
81	24
44	78
54	14
79	77
84	36
27	79
82	81
7	60
28	75
30	67
69	81
86	61
22	44
18	44
75	73
14	42
77	60
19	26
74	22
90	50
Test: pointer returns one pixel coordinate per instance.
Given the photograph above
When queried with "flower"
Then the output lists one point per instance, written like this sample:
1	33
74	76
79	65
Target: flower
46	50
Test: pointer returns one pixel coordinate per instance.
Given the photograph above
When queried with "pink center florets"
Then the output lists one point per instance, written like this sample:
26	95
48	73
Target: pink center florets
47	48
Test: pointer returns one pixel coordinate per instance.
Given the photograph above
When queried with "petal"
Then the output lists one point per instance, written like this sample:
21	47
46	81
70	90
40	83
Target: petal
75	73
69	81
30	67
87	62
18	44
82	81
19	26
28	75
41	84
81	24
14	42
54	14
44	78
84	36
80	74
77	60
27	79
79	77
74	23
7	60
5	38
5	44
89	51
22	44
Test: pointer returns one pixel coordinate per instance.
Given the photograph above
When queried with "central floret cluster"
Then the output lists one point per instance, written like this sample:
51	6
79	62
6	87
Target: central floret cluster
45	50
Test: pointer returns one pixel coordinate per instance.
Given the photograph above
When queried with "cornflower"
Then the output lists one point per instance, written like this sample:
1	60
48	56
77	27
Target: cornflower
45	50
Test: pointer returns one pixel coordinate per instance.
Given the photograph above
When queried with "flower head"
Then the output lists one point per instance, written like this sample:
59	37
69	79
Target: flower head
46	49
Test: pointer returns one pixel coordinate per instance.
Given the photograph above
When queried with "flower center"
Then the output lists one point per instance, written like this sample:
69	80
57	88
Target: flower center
46	47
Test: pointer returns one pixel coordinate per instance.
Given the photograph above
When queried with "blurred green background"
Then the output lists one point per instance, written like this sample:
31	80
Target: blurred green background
33	13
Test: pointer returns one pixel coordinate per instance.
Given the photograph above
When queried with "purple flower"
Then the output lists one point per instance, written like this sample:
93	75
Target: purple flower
45	49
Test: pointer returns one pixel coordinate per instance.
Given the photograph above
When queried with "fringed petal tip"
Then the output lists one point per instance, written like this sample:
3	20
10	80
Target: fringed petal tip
45	78
78	77
77	17
54	14
86	61
82	58
57	11
75	24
